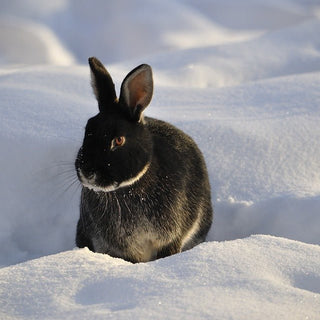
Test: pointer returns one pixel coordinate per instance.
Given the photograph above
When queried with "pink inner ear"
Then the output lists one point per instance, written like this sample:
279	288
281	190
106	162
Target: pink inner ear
137	89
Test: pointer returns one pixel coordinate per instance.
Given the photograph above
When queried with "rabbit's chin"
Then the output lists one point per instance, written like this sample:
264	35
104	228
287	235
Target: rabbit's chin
90	183
97	188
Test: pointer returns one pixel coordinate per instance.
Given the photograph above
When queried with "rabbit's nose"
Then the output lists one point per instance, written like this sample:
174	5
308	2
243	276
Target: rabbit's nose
86	173
87	170
87	177
90	176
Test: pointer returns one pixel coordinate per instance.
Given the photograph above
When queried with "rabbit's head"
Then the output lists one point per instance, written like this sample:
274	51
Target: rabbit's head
117	147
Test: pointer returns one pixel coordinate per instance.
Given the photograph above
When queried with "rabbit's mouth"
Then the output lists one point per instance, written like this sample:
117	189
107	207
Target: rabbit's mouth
91	182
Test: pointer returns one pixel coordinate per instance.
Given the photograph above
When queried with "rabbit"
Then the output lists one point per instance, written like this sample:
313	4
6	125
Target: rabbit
145	188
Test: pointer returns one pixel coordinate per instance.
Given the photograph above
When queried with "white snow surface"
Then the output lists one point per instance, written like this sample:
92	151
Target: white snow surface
242	78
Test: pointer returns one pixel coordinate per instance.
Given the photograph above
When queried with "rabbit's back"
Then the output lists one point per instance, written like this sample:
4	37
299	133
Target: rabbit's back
182	165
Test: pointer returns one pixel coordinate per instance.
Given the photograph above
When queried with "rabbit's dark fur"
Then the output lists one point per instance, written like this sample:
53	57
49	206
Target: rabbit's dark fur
146	192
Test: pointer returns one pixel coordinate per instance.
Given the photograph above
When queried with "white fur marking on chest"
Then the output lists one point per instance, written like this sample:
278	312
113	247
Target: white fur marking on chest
90	184
132	180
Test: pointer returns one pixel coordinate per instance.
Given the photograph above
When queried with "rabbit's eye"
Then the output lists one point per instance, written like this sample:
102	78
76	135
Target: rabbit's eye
118	142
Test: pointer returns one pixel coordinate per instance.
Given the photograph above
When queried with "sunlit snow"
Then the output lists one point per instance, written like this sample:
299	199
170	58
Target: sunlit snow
242	78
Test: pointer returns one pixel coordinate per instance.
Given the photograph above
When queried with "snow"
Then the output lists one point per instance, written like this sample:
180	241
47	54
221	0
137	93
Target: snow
211	281
242	79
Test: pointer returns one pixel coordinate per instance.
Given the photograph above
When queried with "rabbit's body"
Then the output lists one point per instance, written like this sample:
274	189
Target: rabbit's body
147	198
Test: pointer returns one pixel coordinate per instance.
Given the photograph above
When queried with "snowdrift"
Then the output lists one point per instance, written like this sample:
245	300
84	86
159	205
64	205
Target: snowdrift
242	80
261	276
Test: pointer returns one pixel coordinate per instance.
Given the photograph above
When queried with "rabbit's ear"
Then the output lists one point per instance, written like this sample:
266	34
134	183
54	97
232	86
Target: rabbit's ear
136	90
102	84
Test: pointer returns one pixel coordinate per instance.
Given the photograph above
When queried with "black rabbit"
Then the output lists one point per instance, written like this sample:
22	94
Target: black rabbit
146	192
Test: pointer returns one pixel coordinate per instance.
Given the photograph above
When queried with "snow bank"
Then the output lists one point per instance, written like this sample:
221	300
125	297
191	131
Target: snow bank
261	143
131	30
27	42
289	51
258	277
